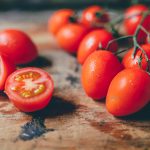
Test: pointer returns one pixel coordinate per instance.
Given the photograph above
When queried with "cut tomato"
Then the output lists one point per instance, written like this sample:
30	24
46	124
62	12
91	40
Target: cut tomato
30	89
6	68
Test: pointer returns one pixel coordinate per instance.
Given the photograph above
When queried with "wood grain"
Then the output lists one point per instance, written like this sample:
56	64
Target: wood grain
72	121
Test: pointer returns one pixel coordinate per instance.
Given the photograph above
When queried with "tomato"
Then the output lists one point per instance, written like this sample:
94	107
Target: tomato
89	16
91	42
131	23
128	92
97	72
6	68
18	46
70	35
30	89
59	19
129	62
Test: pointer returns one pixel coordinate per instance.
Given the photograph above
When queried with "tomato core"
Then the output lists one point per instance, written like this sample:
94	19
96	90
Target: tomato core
28	84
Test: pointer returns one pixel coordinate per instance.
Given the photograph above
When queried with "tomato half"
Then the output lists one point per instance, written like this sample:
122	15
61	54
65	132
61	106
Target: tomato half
59	19
92	41
70	36
128	92
6	68
97	72
92	15
18	46
130	62
30	89
133	20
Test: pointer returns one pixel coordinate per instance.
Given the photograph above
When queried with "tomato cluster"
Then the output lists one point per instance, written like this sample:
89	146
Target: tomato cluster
125	84
91	36
30	89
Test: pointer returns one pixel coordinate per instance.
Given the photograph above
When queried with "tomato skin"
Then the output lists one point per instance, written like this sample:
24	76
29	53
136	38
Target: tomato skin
91	41
130	24
128	92
97	72
59	19
70	35
34	103
18	46
7	67
129	62
88	16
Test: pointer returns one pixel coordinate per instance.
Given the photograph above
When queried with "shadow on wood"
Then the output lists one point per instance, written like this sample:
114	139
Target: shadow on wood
40	61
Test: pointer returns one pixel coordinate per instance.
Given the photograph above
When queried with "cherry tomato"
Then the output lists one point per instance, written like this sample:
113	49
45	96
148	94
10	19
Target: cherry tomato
91	42
132	20
18	46
98	70
30	89
6	68
128	92
59	19
130	62
92	15
70	35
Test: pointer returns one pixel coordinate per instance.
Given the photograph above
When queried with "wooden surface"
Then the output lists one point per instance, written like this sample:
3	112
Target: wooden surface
72	121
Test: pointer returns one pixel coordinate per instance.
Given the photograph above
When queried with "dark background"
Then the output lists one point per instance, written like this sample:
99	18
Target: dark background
54	4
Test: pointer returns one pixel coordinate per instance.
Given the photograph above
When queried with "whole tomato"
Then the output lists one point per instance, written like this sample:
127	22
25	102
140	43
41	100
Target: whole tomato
18	46
97	72
133	16
128	92
69	36
58	19
92	41
94	15
130	62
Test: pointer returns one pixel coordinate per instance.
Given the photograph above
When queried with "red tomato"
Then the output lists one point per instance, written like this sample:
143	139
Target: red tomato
30	89
70	35
6	68
131	23
128	92
98	71
129	62
89	17
91	42
59	19
18	46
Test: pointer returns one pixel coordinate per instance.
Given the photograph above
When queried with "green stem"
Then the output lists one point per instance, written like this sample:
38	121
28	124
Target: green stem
117	39
137	32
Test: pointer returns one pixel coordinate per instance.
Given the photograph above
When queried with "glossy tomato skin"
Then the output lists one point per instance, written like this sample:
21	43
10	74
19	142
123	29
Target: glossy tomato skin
59	19
6	68
128	92
33	103
130	24
70	36
91	42
89	18
18	46
129	62
97	72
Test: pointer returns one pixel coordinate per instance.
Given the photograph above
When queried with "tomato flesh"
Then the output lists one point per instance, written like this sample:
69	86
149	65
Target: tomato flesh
30	89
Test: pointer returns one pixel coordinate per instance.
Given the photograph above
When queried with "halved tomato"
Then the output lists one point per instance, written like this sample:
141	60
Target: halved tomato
6	68
30	89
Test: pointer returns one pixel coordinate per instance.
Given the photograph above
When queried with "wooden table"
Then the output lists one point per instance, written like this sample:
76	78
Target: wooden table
72	121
